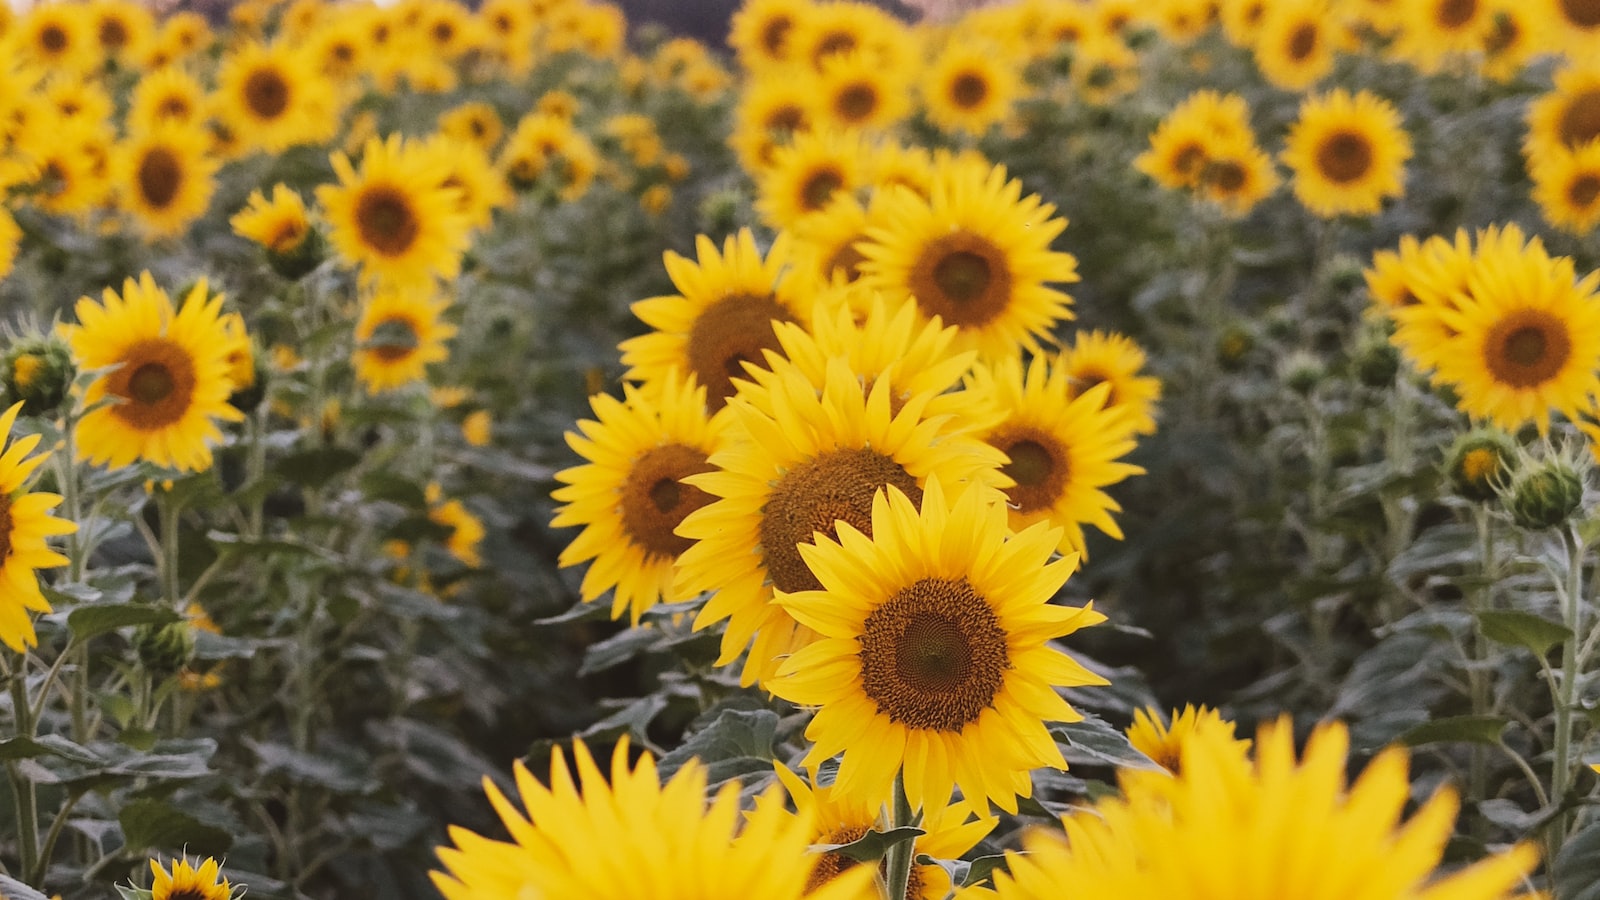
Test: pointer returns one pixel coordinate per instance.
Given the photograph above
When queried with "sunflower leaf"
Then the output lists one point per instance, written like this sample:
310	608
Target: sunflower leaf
1522	629
88	621
872	846
1094	742
12	889
151	824
1463	729
1576	872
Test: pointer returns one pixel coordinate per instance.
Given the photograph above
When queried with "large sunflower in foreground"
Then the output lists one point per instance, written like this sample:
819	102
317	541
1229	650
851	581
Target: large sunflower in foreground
630	497
933	656
1528	334
166	178
1348	153
189	882
170	384
400	332
636	837
1227	826
395	218
975	253
25	524
814	459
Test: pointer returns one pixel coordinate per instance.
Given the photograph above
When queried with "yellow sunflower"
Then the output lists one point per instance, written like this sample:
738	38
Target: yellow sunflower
970	86
122	29
1574	26
976	254
74	167
1164	742
933	656
1063	449
170	384
1566	185
189	882
1098	357
1528	334
466	529
1186	136
807	174
1435	32
770	112
1420	287
275	97
1260	831
465	167
721	320
1236	176
1347	153
280	225
1568	117
1295	48
10	241
760	32
181	34
399	334
73	98
854	91
791	471
825	244
1241	19
1518	34
166	178
395	218
57	36
636	837
166	96
475	123
629	496
25	524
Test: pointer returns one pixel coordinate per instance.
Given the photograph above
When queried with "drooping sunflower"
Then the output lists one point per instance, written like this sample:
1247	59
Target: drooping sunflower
167	95
807	174
1098	357
629	496
400	332
760	32
1566	185
721	319
1434	32
1063	449
170	384
187	881
1568	117
1220	821
165	178
275	97
395	218
933	656
25	525
975	253
636	837
787	473
970	86
1348	153
1295	48
281	224
1528	334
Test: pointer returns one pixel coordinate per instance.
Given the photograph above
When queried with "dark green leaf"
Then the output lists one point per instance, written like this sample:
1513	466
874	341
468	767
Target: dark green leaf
1462	729
381	485
1522	629
734	736
982	868
234	543
1094	742
316	467
618	649
153	825
1576	872
47	745
88	621
872	846
580	612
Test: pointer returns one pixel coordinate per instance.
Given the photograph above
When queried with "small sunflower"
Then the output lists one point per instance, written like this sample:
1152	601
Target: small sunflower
464	167
1348	153
1434	32
807	174
399	334
466	529
722	319
166	178
825	244
1186	136
976	254
1567	117
970	86
761	31
57	36
25	524
170	384
123	30
1221	821
854	91
475	123
1062	449
1295	48
1518	33
637	837
395	217
189	882
280	225
275	97
933	658
770	112
1098	357
1236	176
1566	186
1164	742
630	497
1574	26
167	95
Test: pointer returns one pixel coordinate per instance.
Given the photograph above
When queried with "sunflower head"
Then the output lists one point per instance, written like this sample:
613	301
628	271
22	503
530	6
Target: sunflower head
36	371
282	227
1479	462
186	881
1546	493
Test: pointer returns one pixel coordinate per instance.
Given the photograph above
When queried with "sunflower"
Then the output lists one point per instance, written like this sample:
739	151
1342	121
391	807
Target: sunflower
166	96
171	379
398	335
792	471
339	49
1236	176
1098	357
1164	743
122	29
1518	33
188	882
637	837
548	147
466	529
276	97
629	496
280	225
1528	334
1222	821
1433	32
73	165
834	28
854	91
1566	186
1185	137
475	123
1183	21
25	524
890	165
933	656
770	112
976	254
464	167
1347	153
165	178
1063	449
824	245
74	98
1420	287
395	218
1568	117
722	319
181	34
1241	19
1574	26
807	174
57	36
760	32
1295	48
970	86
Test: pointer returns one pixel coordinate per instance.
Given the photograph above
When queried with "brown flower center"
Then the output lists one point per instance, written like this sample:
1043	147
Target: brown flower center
813	496
1584	190
786	119
160	177
1303	42
1580	121
775	35
394	339
934	655
1038	466
846	259
831	865
53	38
654	499
1582	13
266	93
818	187
386	221
156	384
856	102
5	527
1344	156
1226	176
962	278
1453	14
727	334
113	34
174	107
1527	348
835	42
968	90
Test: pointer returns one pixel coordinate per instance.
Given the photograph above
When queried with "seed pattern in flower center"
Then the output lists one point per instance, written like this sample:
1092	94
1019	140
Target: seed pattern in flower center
160	177
654	499
934	655
156	383
1527	348
386	221
813	496
963	279
727	334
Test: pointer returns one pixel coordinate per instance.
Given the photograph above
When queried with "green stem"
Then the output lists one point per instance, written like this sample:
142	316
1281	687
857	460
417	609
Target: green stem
23	791
1561	762
257	471
167	510
898	862
67	475
49	848
1478	601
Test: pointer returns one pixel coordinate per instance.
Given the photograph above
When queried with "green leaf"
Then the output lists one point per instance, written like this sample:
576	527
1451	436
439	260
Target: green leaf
153	825
872	846
88	621
12	889
618	649
133	893
48	745
1094	741
1522	629
982	868
1457	729
738	742
381	485
1575	875
316	467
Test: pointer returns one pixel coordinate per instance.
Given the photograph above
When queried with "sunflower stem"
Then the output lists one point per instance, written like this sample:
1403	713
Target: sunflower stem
1477	678
1561	763
167	511
898	861
67	475
257	471
48	849
23	791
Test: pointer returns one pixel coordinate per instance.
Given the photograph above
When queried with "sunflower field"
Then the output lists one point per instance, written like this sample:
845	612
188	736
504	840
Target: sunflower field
1093	448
